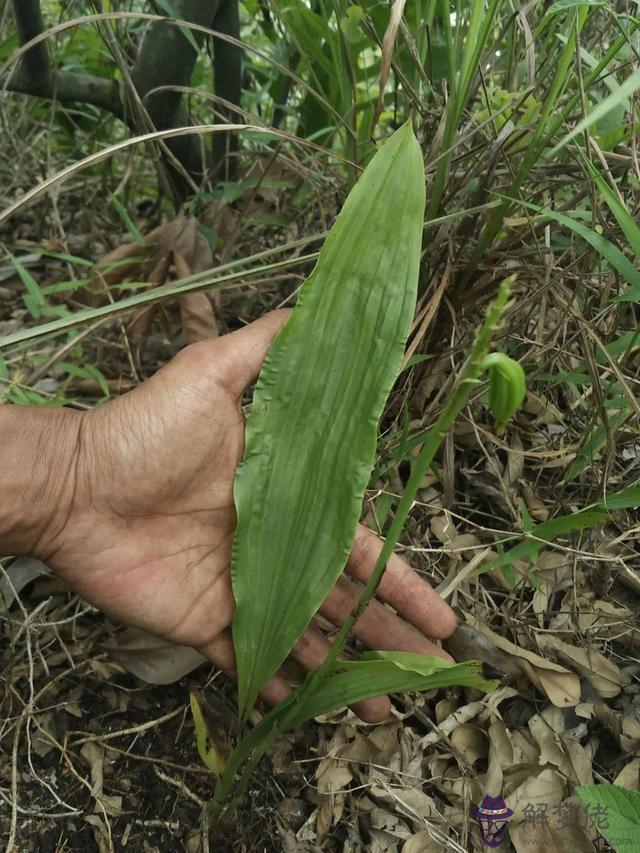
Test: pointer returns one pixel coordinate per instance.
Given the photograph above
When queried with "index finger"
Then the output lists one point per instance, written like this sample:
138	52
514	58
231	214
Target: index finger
401	587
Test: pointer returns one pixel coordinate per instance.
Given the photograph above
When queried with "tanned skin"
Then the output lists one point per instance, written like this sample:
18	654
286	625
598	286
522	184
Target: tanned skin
132	505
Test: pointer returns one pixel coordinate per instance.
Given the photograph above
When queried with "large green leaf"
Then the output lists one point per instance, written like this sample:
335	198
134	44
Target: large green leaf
615	811
311	436
387	672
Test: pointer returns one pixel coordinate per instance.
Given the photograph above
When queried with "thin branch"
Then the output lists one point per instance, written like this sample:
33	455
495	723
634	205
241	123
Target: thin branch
67	87
36	76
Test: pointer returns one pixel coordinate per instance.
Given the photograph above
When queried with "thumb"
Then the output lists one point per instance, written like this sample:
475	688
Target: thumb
240	354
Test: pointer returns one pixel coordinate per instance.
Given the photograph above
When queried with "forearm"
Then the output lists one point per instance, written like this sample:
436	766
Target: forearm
38	455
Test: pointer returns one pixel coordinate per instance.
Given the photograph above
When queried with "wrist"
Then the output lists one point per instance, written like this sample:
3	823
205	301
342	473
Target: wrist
40	450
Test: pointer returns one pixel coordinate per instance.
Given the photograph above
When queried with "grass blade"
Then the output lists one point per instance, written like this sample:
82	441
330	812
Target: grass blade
549	531
593	444
617	207
612	254
311	437
620	96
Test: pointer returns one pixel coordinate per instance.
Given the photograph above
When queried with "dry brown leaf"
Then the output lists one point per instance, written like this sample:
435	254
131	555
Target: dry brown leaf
544	838
556	568
94	755
524	749
19	574
630	734
537	509
413	803
544	413
458	718
383	842
561	686
550	824
601	672
385	741
545	789
140	322
445	707
359	750
629	776
606	620
459	791
101	834
437	766
332	776
443	528
388	824
179	244
540	601
196	311
152	659
328	814
44	736
464	546
519	571
422	843
500	757
388	43
192	254
471	741
501	746
569	756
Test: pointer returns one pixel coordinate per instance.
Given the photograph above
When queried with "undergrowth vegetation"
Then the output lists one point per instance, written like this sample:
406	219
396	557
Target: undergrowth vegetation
121	244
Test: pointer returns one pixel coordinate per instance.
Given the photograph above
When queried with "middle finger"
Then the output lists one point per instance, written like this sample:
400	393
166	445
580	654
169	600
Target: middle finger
378	627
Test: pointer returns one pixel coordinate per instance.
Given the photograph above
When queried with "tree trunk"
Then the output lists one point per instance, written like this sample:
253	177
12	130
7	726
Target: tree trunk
37	76
227	72
167	58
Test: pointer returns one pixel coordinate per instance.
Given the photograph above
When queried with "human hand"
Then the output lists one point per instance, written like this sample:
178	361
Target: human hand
146	518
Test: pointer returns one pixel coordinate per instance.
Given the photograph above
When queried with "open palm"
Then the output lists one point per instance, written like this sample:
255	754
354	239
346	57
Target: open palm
149	533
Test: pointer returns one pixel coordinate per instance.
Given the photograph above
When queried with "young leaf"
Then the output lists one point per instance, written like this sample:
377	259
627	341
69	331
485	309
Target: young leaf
34	298
615	811
211	756
311	436
132	228
387	672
